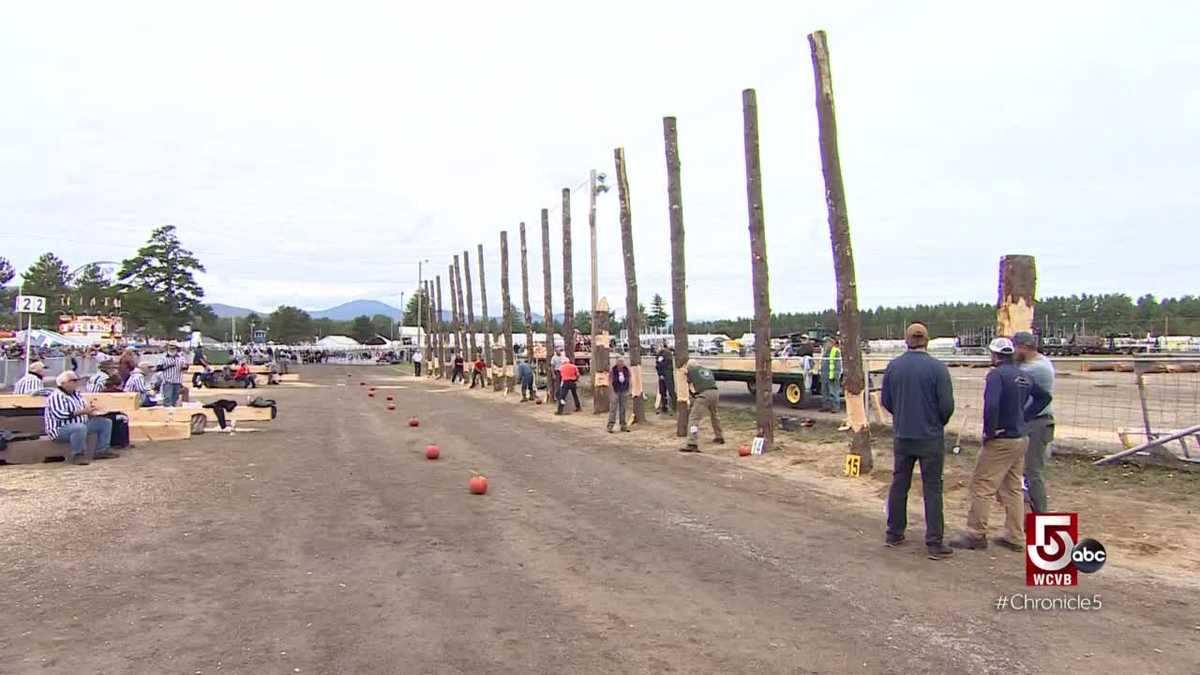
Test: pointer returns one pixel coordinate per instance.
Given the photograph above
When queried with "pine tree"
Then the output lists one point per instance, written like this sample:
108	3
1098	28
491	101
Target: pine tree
47	277
658	312
160	287
290	325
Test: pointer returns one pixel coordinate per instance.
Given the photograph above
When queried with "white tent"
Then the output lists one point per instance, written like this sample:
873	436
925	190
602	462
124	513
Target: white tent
48	338
337	342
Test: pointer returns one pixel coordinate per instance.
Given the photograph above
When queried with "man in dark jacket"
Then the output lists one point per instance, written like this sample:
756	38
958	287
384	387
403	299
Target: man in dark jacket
458	373
917	392
664	366
1010	399
619	383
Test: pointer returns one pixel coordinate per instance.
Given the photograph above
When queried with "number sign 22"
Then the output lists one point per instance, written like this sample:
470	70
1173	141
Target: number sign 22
31	304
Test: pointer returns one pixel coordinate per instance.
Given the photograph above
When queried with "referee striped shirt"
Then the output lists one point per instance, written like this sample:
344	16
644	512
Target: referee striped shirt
30	384
62	408
96	382
172	368
136	382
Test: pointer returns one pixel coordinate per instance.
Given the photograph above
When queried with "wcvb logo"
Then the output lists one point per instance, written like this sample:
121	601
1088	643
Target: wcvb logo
1054	555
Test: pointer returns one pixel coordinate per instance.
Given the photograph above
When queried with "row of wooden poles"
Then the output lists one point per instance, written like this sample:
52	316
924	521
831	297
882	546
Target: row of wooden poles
462	309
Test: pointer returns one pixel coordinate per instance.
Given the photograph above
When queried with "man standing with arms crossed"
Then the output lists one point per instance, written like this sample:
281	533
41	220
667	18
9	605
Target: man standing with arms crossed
916	390
1041	426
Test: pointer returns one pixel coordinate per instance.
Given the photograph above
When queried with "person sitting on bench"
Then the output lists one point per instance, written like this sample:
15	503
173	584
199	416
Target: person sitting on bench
67	420
31	384
105	379
242	375
137	384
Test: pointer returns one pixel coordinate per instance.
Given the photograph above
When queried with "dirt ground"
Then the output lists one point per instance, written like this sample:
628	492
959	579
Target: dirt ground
326	543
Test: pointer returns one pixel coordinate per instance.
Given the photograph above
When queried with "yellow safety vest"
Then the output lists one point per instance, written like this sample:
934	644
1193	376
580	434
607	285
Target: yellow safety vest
834	355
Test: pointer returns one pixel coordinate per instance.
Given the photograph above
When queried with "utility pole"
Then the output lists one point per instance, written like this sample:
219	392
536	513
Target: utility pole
487	328
678	275
549	309
525	300
506	303
758	262
568	291
633	320
470	306
849	321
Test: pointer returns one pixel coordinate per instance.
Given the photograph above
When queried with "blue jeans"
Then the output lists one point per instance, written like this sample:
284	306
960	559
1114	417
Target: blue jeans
170	393
76	434
832	394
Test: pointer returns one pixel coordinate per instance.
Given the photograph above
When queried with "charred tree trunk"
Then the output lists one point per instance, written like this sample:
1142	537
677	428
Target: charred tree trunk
487	331
633	320
678	275
568	290
849	323
549	308
470	306
506	300
763	391
528	352
1018	283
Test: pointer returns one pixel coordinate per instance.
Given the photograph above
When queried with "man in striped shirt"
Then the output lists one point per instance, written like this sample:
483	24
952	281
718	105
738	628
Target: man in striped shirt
137	384
67	420
32	382
96	383
172	374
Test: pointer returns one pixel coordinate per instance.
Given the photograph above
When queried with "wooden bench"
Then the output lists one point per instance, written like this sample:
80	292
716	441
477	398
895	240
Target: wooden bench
106	402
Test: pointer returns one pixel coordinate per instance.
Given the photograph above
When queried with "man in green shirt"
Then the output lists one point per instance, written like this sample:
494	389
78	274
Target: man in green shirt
704	397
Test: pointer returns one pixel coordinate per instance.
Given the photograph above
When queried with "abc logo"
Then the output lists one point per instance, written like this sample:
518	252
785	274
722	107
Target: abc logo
1089	556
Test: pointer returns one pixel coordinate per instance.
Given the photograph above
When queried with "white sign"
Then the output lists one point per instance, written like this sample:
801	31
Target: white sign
758	446
31	304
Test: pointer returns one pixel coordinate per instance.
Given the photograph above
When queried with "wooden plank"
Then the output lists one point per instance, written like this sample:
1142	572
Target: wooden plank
153	432
108	402
160	415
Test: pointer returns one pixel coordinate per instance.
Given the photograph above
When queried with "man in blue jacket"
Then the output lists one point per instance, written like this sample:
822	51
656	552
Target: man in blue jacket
618	379
917	392
1010	399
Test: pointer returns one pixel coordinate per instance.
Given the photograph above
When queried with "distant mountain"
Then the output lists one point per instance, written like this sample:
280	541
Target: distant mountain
229	311
349	310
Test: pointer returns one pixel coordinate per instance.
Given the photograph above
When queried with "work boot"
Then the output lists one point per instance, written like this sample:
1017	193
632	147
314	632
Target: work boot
625	429
968	541
78	460
719	441
1006	543
938	551
610	430
689	448
111	454
893	540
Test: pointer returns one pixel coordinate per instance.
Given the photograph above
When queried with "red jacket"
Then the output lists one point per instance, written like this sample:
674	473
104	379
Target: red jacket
480	366
569	372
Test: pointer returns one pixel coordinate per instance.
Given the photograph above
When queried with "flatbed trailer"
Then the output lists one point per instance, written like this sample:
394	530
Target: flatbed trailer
786	372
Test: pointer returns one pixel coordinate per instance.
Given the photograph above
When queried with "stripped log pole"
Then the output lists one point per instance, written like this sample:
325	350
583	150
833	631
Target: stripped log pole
678	274
528	311
763	409
428	321
548	300
487	329
470	306
633	319
849	322
568	289
507	316
463	328
444	373
456	344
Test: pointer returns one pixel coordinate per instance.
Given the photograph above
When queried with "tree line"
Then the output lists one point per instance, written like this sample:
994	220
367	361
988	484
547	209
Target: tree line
156	293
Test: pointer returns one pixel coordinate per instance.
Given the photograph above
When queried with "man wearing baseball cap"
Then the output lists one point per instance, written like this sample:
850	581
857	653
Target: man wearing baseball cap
31	383
1010	399
916	390
1041	426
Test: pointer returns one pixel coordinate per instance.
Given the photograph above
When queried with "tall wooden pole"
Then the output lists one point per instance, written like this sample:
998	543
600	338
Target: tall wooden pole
1014	305
633	320
455	342
441	332
470	305
568	290
849	323
487	330
428	310
763	394
549	307
525	299
678	274
463	329
506	300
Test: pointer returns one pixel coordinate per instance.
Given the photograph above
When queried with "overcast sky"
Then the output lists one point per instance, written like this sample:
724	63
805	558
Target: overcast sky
312	153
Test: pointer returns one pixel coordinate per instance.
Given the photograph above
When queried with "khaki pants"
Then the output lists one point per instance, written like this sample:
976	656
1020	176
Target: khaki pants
699	403
998	476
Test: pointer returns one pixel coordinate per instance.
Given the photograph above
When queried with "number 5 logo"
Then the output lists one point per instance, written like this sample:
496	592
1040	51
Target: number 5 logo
1049	543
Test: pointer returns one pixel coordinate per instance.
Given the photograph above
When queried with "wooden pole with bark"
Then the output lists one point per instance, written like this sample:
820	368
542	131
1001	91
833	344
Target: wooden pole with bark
763	394
506	300
599	343
568	290
548	300
487	332
428	320
441	333
678	274
456	344
525	300
633	320
470	305
1014	304
463	329
849	322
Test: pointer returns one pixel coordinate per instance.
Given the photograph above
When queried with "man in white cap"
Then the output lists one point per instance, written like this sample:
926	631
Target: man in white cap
137	384
69	419
1010	399
32	383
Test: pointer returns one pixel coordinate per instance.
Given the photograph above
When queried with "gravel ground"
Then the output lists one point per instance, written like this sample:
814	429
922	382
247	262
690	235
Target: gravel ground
328	544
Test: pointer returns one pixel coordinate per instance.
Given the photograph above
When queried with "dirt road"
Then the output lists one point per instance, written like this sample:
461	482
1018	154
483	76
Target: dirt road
328	544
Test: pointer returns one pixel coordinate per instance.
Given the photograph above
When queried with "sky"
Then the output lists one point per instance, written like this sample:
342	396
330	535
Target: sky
313	153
